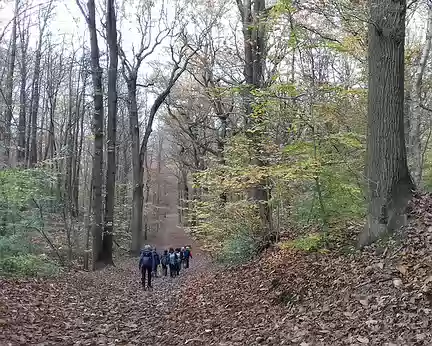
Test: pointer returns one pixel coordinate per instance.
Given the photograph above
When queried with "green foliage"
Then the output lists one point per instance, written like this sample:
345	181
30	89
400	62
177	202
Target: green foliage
427	171
24	195
28	265
311	242
311	157
238	248
216	222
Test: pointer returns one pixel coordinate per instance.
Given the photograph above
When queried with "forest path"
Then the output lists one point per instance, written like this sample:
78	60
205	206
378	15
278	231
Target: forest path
107	307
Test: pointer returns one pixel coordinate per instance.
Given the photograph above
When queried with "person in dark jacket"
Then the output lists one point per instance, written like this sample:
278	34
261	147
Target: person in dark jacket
172	262
187	256
146	265
178	261
165	262
156	262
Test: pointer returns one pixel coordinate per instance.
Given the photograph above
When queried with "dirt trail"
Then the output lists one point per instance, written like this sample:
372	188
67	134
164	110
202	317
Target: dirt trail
107	307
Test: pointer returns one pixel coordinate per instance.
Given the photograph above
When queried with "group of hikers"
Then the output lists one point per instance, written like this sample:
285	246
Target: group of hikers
172	259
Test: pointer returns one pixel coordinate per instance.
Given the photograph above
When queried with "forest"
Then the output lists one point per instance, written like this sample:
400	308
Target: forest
288	141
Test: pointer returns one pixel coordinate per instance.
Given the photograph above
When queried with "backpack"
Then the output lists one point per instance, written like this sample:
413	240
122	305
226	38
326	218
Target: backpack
146	259
164	260
172	258
178	258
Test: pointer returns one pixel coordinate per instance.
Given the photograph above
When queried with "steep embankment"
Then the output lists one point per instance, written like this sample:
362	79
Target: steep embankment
381	296
107	307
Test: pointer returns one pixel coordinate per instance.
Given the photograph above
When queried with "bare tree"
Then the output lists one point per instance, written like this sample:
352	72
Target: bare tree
9	83
130	74
98	128
111	28
417	106
24	36
44	15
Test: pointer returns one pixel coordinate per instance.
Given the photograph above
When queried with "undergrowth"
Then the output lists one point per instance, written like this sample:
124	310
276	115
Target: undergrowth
28	265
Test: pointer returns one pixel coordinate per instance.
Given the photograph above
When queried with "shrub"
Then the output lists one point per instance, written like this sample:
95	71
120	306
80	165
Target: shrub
28	265
240	247
311	242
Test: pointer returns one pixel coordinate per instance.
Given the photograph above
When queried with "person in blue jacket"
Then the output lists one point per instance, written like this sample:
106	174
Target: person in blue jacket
146	265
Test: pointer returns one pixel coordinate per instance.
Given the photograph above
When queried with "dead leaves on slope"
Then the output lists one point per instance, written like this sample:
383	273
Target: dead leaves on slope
376	297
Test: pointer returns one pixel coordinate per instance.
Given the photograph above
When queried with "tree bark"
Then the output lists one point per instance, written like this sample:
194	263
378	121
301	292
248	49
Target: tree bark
34	105
390	184
254	50
416	112
9	85
137	168
98	128
22	121
112	129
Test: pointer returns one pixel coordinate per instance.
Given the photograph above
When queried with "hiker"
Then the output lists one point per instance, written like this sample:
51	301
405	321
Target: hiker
178	260
145	265
165	262
172	262
182	253
187	256
156	262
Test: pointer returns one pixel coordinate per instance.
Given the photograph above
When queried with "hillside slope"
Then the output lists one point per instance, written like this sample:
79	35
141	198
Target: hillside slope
380	296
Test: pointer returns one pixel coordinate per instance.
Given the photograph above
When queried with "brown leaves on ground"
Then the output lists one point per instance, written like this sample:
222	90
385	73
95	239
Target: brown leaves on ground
103	308
381	296
107	307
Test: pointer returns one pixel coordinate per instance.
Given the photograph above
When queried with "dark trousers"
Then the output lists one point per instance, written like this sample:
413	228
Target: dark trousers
173	270
186	262
164	270
178	267
144	271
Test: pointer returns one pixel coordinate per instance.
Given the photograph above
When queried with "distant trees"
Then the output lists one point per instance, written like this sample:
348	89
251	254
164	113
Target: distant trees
258	113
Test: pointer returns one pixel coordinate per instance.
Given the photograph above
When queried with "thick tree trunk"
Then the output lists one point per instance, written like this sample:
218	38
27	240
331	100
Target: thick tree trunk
98	128
112	129
254	48
390	184
137	170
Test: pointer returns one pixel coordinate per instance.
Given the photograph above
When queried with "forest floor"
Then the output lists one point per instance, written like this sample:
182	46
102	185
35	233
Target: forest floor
107	307
379	296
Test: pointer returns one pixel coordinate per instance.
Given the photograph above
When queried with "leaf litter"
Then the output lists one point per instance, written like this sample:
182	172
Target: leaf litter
380	296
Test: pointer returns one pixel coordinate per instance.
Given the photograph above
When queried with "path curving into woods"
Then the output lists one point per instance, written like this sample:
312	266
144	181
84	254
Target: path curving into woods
107	307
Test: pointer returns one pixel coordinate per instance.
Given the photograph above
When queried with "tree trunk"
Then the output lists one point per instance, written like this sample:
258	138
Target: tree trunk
80	139
32	159
137	169
254	48
158	181
9	85
414	145
390	184
98	128
22	121
112	129
147	193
